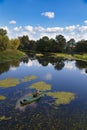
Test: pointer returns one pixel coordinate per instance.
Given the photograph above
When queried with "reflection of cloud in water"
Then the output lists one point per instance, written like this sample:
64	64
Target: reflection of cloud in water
48	76
70	65
32	63
23	108
83	72
13	68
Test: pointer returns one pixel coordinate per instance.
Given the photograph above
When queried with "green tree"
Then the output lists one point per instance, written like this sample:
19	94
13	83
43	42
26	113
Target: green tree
61	43
3	32
81	46
24	42
14	43
4	42
70	45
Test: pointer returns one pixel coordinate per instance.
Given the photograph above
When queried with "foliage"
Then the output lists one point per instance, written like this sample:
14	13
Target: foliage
24	42
81	46
14	43
9	54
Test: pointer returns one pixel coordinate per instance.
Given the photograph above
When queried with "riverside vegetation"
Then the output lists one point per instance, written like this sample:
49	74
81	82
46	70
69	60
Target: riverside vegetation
14	49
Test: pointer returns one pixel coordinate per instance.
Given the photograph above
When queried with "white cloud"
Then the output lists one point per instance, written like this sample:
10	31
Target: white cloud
77	32
70	28
85	22
48	14
54	30
12	22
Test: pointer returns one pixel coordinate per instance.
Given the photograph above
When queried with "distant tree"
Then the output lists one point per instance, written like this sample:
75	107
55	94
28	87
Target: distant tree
61	43
70	45
4	41
14	43
3	32
24	42
81	46
43	44
32	45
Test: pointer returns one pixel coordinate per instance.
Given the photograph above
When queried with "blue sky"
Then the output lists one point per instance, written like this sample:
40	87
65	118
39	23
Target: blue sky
37	18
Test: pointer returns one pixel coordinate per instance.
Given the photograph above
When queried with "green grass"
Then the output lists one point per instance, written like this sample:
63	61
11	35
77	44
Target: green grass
2	97
81	57
28	78
62	97
8	55
41	86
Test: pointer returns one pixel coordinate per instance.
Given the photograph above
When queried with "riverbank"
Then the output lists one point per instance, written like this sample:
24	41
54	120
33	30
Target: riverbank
8	55
82	57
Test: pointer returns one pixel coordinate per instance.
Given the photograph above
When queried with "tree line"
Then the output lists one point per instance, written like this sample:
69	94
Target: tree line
44	44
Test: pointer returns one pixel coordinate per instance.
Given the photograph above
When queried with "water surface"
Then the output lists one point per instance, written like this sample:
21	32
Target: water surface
62	76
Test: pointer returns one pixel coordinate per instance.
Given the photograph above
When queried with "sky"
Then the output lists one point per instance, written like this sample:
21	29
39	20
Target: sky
38	18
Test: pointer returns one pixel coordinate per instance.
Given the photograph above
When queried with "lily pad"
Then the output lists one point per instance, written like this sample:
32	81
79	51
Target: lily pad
4	118
41	86
62	97
2	97
28	78
9	82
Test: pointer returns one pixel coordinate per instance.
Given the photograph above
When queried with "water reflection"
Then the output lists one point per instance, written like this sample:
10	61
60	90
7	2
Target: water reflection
45	60
4	67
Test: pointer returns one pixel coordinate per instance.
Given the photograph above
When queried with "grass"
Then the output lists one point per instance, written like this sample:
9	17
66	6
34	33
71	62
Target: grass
62	97
42	86
28	78
4	118
82	57
2	97
12	82
9	82
8	55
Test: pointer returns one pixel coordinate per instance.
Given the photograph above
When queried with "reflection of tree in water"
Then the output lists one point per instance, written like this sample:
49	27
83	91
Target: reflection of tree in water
81	64
58	63
4	67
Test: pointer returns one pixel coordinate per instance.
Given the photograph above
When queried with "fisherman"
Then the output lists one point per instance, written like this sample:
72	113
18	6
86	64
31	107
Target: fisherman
37	93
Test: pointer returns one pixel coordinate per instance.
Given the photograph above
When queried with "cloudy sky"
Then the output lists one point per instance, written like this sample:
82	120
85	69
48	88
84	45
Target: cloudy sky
37	18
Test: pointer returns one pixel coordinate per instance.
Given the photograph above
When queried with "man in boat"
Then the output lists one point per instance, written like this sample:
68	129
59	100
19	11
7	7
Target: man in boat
37	93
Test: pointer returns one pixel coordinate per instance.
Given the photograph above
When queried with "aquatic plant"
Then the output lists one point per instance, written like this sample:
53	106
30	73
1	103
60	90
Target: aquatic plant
41	86
62	97
2	97
9	82
4	118
28	78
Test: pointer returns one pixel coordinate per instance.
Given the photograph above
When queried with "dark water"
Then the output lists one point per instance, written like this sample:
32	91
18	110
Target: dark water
63	75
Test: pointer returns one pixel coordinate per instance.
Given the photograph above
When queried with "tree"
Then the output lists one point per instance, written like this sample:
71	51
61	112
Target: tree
81	46
14	43
24	42
3	32
43	44
70	45
4	41
61	43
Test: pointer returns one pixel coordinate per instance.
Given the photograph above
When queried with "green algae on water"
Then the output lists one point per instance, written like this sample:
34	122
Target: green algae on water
9	82
2	118
41	86
28	78
62	97
2	97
